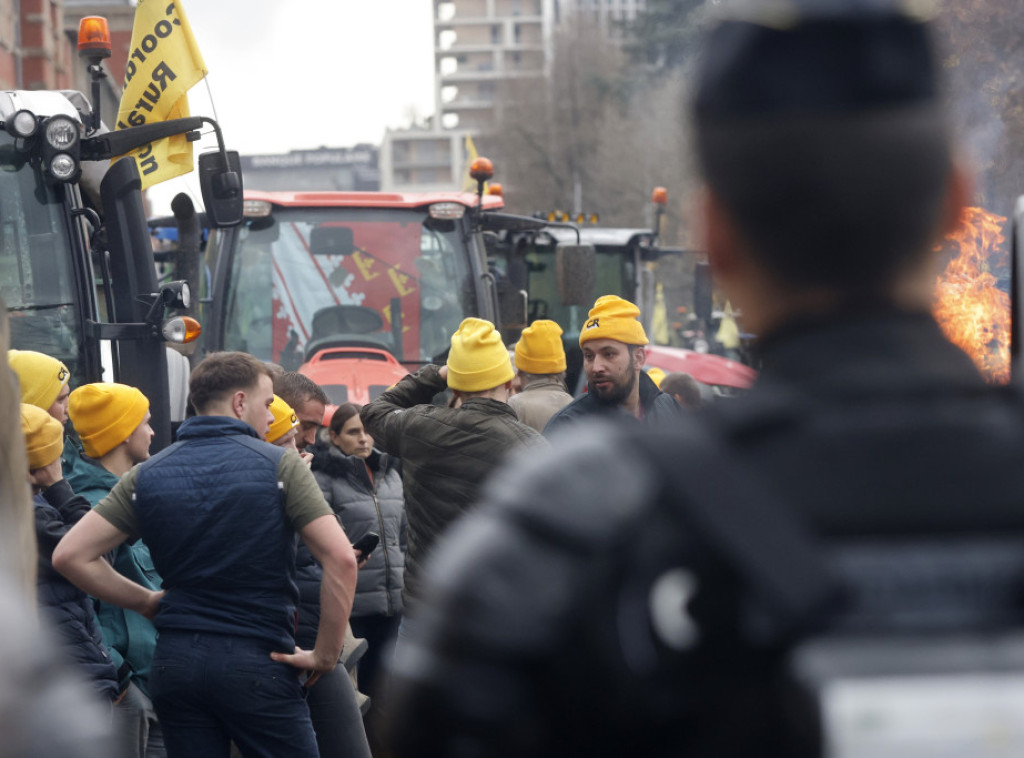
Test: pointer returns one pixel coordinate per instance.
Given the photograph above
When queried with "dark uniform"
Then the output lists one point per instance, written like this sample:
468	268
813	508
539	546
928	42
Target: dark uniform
569	642
699	591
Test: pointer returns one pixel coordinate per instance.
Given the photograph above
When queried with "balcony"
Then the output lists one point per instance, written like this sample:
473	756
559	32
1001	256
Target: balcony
496	75
467	104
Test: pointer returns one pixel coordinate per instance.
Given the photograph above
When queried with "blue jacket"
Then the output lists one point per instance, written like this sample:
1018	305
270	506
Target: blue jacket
66	607
211	509
129	636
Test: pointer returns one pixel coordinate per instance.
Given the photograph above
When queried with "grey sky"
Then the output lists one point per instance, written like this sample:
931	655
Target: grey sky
308	73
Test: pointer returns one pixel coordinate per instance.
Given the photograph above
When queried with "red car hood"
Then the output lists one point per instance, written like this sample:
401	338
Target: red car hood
706	368
364	372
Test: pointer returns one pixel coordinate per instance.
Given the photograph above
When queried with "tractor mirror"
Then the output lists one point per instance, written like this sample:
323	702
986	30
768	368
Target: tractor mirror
220	180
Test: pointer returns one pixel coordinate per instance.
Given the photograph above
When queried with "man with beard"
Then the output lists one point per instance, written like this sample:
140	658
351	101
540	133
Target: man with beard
309	401
613	342
799	571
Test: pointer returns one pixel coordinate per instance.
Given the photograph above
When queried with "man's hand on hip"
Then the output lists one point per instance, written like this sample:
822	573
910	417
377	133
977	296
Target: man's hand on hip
307	660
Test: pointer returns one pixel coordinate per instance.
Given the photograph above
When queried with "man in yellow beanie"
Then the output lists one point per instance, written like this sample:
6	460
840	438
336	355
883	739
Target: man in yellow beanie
447	453
43	381
57	508
846	526
112	421
613	340
540	366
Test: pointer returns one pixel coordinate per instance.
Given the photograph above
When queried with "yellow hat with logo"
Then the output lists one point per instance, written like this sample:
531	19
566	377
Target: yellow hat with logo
105	414
40	376
284	420
539	350
478	359
613	318
44	436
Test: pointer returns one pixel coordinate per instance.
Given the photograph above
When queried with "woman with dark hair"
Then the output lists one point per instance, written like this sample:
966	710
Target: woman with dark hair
364	487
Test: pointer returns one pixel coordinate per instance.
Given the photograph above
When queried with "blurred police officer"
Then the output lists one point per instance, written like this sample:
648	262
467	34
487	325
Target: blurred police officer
633	593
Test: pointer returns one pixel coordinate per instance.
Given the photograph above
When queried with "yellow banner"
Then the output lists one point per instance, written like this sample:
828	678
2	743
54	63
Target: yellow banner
164	63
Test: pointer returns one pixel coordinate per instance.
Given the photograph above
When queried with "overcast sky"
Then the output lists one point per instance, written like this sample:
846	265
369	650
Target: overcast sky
308	73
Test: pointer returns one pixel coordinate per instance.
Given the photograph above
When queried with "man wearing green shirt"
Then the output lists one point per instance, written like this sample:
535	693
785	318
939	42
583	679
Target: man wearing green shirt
219	511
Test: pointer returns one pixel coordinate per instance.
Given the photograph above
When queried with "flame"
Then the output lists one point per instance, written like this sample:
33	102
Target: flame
971	309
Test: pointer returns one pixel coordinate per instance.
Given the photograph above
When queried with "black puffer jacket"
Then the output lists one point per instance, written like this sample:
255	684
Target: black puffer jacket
61	603
364	506
659	408
446	454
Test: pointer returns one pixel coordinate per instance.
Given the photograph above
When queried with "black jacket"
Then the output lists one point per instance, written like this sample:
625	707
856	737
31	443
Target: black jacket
364	506
870	429
446	454
61	603
658	407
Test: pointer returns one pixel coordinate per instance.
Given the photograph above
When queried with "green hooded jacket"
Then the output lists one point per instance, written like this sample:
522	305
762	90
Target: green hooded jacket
130	636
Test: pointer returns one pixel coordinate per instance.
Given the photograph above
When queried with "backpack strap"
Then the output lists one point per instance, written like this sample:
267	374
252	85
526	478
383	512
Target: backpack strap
743	522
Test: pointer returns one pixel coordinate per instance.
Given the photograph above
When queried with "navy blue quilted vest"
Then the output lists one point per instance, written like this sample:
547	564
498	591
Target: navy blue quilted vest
211	509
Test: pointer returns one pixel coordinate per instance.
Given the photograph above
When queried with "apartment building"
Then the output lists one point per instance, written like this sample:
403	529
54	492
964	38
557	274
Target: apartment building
479	46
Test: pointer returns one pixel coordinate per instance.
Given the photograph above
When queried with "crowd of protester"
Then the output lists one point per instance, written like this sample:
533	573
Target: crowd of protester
160	588
497	568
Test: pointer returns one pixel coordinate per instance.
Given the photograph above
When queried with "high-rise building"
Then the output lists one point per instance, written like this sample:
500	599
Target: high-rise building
480	46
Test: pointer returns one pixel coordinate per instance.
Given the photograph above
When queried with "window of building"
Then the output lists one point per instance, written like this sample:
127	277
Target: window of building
495	34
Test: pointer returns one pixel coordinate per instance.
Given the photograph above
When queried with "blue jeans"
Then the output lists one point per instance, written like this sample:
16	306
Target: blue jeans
210	689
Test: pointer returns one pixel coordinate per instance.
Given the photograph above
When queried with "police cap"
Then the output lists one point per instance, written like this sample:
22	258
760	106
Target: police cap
775	57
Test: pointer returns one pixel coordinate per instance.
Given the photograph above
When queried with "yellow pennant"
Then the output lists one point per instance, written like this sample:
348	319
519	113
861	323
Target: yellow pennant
468	182
164	63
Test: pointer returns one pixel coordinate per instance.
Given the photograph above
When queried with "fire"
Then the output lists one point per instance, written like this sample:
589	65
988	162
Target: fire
971	309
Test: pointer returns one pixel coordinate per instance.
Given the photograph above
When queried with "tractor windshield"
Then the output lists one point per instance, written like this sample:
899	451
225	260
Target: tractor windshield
36	276
304	279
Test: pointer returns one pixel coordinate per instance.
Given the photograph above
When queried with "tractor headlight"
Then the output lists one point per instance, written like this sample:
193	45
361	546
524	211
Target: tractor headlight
63	167
23	124
62	133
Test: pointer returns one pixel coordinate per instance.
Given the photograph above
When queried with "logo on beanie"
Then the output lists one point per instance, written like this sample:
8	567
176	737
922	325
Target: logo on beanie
594	323
62	374
294	420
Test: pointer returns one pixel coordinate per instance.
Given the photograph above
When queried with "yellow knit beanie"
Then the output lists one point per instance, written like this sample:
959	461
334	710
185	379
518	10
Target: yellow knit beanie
284	420
478	359
656	374
40	376
613	318
44	436
539	350
105	415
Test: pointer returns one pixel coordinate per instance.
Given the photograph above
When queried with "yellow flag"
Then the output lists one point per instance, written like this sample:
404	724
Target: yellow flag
468	182
659	319
164	63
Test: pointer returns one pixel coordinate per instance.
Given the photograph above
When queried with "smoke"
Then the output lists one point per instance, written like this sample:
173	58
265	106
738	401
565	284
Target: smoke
983	57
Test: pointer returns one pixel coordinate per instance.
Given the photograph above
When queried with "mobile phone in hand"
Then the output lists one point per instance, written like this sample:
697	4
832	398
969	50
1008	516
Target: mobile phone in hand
366	544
